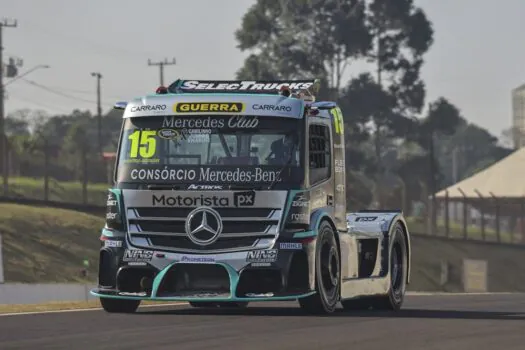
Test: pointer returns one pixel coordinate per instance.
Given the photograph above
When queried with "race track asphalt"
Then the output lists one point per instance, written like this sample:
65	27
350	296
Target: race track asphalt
458	322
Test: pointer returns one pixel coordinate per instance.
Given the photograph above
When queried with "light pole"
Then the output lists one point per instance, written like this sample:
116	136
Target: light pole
99	112
4	162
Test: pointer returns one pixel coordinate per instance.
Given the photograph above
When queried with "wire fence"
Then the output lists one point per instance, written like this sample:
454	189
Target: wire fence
487	219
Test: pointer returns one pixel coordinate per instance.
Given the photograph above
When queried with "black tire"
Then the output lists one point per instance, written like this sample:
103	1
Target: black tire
398	266
398	273
327	274
120	306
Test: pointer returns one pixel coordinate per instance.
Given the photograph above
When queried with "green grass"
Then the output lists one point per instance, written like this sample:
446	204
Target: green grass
47	244
70	192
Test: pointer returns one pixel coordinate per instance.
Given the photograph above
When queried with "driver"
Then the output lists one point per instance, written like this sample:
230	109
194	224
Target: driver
281	151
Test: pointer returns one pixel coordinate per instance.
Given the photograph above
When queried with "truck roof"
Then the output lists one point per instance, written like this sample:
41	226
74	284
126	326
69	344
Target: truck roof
193	97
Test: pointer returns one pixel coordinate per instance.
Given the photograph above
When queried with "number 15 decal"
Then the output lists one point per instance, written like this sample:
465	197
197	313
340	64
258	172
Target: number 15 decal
147	145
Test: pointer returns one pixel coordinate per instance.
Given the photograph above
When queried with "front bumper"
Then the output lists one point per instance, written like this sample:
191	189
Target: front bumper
221	279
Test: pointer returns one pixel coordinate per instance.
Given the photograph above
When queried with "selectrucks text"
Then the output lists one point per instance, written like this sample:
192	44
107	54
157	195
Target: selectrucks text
232	192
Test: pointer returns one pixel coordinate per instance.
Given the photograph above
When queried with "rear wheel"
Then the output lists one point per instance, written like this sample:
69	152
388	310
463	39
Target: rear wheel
398	274
119	305
327	274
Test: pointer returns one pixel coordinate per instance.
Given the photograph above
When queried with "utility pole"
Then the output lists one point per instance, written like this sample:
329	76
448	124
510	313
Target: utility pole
3	141
99	112
161	65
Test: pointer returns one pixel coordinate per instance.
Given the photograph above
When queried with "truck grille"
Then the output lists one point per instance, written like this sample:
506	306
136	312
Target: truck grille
164	229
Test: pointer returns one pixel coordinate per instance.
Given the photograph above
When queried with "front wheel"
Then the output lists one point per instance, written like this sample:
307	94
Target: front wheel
119	305
327	274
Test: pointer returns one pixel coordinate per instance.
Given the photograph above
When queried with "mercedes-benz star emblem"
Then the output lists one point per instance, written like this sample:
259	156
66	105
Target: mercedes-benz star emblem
203	226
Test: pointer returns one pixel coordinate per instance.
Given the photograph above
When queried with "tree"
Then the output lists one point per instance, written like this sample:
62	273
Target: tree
302	38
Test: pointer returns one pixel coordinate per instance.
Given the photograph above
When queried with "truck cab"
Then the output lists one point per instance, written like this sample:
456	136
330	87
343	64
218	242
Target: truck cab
228	192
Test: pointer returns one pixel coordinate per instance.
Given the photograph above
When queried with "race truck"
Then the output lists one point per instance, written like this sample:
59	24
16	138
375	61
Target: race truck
230	192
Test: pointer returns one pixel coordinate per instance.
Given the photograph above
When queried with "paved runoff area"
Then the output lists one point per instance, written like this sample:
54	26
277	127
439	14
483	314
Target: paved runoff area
466	322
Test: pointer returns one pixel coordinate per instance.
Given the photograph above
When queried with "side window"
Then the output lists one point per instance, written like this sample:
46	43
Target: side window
320	153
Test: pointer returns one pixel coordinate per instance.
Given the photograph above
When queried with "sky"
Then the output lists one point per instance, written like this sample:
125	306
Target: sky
476	60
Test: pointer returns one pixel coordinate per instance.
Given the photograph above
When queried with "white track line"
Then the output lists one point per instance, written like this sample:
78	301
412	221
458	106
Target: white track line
82	310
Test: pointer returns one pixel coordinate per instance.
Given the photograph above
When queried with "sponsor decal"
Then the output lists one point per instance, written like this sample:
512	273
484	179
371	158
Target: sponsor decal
366	218
195	201
340	188
199	138
272	108
244	199
137	255
192	123
111	216
240	199
244	85
113	244
262	256
290	246
233	122
300	201
112	200
149	108
206	174
260	264
338	145
168	134
243	122
197	259
133	294
216	107
205	187
339	165
299	217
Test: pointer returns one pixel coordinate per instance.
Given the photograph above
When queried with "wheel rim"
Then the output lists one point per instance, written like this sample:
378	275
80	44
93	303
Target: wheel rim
329	269
397	269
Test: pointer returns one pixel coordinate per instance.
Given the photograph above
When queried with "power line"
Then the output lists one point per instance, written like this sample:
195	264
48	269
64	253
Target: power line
78	91
161	65
51	90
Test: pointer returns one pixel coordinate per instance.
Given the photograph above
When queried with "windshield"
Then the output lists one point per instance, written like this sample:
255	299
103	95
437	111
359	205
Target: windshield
209	149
